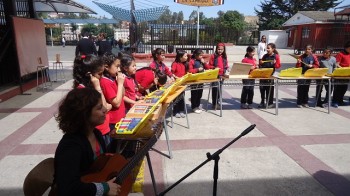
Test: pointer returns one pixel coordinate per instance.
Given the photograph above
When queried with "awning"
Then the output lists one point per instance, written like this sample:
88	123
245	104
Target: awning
80	21
141	15
61	6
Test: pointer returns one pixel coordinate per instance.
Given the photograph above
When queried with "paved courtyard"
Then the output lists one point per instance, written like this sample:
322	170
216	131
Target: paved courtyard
300	151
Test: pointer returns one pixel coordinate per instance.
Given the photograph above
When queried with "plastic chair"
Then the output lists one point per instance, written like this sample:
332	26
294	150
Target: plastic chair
40	178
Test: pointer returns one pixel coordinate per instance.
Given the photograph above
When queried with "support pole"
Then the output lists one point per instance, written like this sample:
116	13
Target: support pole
198	27
51	37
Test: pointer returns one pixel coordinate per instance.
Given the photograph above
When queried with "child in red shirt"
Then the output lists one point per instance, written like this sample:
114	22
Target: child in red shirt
128	67
146	78
158	58
306	61
112	84
343	60
87	72
196	65
179	69
248	84
218	60
270	60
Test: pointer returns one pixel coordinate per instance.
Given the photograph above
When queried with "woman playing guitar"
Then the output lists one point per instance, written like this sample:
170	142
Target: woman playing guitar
78	115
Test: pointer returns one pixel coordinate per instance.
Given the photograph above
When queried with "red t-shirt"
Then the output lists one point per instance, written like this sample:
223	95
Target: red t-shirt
130	90
220	64
251	61
104	128
162	67
343	59
178	69
145	78
109	88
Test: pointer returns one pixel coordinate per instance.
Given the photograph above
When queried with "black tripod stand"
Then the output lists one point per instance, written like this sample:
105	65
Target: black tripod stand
210	157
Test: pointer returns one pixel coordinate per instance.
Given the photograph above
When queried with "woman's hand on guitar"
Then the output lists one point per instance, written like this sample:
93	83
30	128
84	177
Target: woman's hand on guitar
114	189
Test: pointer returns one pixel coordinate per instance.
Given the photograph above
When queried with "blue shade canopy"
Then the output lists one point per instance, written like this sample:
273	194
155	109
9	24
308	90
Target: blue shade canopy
140	15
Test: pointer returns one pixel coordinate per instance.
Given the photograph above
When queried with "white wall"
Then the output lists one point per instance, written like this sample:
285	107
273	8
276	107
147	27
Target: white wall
278	37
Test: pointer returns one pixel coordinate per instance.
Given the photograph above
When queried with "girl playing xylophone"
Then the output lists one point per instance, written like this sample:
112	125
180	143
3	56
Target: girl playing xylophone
248	84
307	61
218	60
179	69
343	60
270	60
128	67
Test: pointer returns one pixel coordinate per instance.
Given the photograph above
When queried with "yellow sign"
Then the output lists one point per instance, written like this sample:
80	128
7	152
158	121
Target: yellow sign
200	2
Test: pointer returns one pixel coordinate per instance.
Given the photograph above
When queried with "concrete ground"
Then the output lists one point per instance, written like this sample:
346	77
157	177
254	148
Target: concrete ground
301	151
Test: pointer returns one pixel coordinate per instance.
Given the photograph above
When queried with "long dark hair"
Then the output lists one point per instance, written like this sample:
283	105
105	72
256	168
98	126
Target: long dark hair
157	51
74	111
125	62
224	55
83	65
346	45
196	53
273	46
307	46
249	50
179	55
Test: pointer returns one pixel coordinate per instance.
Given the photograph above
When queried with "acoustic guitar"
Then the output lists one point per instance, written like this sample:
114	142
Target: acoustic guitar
117	166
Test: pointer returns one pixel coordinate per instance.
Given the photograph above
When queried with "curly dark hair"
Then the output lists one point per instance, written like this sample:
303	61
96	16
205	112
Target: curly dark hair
75	110
82	66
108	59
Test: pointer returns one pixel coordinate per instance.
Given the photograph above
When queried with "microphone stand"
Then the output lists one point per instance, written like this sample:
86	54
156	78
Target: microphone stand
210	157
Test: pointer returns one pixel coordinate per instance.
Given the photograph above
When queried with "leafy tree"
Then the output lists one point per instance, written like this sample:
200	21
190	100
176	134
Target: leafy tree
180	16
90	28
193	17
69	15
234	21
165	18
106	29
74	29
84	16
275	12
42	15
174	19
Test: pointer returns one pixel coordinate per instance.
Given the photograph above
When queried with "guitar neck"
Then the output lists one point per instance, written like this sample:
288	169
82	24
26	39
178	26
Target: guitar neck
135	160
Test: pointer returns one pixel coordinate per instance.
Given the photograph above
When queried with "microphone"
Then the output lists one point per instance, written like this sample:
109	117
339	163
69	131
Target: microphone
247	130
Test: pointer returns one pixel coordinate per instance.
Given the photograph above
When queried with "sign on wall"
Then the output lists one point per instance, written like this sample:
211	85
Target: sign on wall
200	2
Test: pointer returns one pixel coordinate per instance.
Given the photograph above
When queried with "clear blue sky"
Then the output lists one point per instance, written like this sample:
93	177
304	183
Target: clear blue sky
245	7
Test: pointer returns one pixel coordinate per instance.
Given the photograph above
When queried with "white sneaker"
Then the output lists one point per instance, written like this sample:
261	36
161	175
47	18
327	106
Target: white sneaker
183	115
201	107
197	110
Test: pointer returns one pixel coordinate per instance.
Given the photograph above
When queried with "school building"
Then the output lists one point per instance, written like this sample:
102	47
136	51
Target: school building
321	29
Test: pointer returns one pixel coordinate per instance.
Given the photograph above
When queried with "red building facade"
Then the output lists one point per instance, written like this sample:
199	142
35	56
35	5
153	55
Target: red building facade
319	28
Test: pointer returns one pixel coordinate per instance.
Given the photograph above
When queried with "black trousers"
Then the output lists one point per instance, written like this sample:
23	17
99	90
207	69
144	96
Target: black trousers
215	95
247	91
266	91
319	89
339	91
303	91
180	105
196	95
